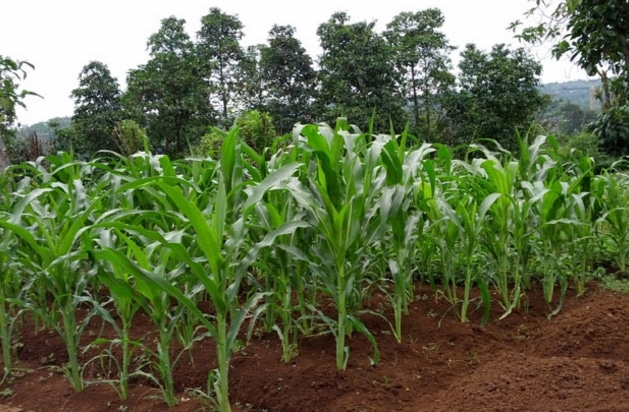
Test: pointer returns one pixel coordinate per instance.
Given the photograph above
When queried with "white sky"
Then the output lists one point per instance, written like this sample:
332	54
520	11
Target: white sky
61	36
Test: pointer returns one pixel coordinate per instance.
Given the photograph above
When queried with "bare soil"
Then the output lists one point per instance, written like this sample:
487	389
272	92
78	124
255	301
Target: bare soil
578	361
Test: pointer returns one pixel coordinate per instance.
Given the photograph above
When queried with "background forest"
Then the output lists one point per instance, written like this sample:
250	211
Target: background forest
401	77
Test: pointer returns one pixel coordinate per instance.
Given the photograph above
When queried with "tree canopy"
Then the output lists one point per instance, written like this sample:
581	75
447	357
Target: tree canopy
497	95
289	78
357	74
397	78
595	35
97	109
421	53
12	72
168	95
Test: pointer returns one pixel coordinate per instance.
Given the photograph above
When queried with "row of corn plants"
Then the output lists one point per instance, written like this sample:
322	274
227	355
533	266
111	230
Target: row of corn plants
291	242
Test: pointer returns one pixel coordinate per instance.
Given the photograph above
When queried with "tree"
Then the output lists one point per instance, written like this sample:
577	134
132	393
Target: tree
168	95
422	58
289	78
611	127
568	118
594	33
357	75
252	89
11	73
498	94
220	54
97	109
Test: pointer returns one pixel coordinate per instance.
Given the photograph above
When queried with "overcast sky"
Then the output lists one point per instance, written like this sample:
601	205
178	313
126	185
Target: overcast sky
61	36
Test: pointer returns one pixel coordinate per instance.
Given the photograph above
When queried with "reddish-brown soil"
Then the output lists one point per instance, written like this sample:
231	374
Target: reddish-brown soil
578	361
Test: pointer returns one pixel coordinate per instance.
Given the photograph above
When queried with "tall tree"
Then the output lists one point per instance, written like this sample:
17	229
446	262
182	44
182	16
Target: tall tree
595	34
168	95
218	47
357	74
422	57
252	89
498	94
97	109
289	78
12	72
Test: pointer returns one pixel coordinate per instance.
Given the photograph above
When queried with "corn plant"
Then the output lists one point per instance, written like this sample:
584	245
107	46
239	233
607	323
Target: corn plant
501	180
341	206
444	232
52	237
136	292
583	216
11	285
218	258
399	210
552	209
11	289
616	215
472	221
282	263
126	302
580	230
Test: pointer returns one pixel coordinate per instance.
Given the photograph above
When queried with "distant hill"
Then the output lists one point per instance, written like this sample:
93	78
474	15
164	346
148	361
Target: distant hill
578	92
43	129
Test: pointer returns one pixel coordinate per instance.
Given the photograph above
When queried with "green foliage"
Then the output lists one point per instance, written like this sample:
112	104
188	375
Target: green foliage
612	129
168	95
357	75
597	36
421	54
614	283
498	95
11	73
255	129
220	55
289	78
252	88
210	143
97	110
586	144
129	137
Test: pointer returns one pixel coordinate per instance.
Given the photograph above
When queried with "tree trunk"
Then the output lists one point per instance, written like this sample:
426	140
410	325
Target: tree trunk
4	156
415	97
625	52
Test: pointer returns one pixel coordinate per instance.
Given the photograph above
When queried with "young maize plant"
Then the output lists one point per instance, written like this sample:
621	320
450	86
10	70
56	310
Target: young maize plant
218	258
341	205
51	222
402	216
329	215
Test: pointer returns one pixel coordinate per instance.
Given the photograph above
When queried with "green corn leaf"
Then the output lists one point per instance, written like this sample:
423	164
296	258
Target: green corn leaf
275	180
161	283
207	238
487	203
392	164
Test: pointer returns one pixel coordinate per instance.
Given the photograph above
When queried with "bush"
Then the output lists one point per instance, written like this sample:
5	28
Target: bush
129	137
255	128
612	129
